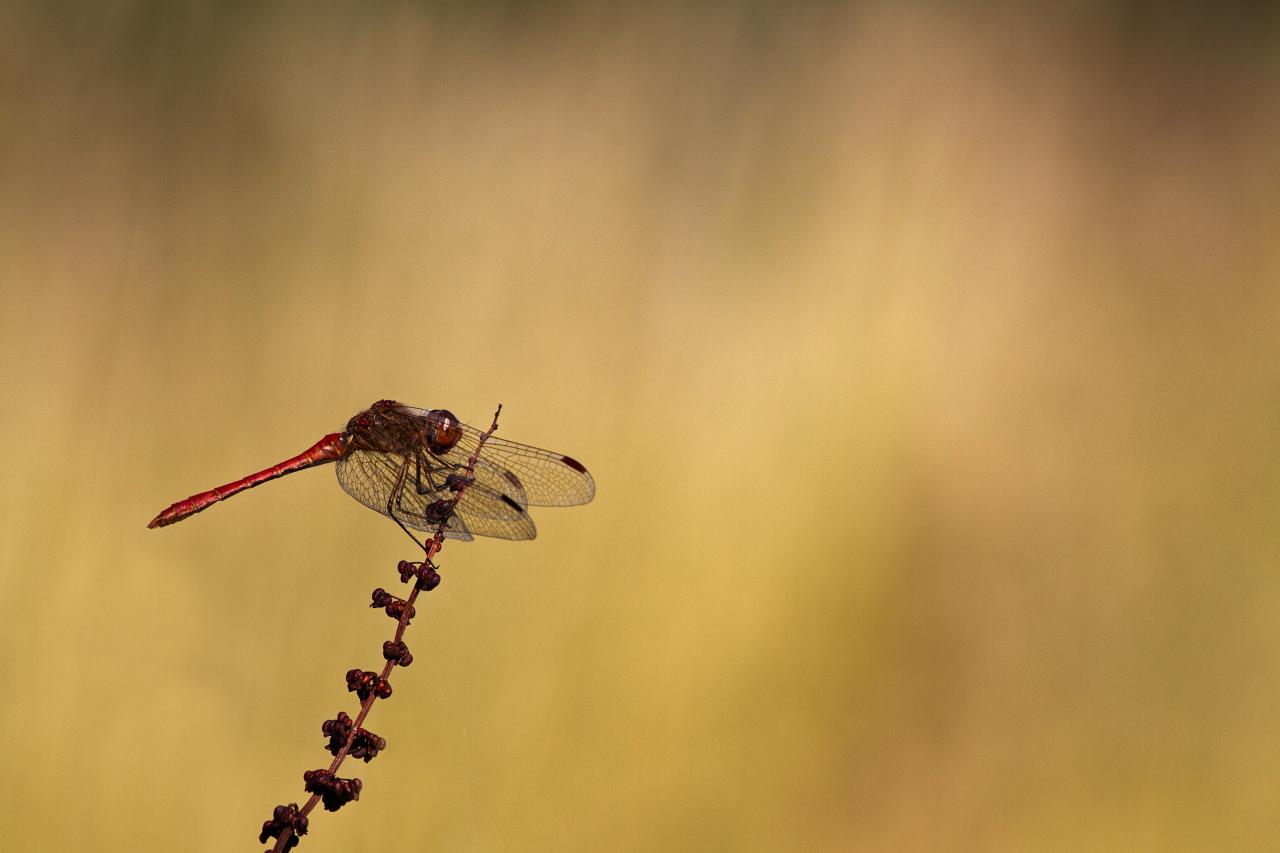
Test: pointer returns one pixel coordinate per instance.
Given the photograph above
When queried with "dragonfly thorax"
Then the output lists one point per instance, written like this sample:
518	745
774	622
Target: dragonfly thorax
391	427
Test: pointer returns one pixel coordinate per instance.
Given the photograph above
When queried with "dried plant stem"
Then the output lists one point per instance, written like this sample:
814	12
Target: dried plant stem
296	821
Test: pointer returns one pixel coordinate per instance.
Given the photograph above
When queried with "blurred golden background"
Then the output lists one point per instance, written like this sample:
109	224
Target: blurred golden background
925	356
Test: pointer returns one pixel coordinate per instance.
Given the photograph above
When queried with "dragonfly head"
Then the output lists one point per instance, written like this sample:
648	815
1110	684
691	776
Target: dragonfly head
443	430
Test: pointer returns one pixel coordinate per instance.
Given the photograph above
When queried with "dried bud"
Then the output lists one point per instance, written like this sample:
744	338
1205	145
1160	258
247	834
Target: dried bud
398	652
392	605
366	745
457	482
428	579
364	683
334	792
338	730
425	572
283	819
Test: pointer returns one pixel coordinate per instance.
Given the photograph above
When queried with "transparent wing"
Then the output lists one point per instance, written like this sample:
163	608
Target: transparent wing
371	478
529	475
547	478
393	471
489	513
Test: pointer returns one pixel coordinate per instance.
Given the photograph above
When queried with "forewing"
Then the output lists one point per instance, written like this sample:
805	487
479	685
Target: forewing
530	475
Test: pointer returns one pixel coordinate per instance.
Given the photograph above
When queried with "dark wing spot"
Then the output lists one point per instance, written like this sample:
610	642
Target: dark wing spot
574	464
509	502
514	480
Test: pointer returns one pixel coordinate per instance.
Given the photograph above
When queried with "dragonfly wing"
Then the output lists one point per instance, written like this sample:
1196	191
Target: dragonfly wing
370	477
489	513
529	475
501	480
457	529
540	477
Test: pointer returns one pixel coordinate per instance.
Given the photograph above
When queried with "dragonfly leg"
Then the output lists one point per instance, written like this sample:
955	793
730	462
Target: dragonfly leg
417	474
393	503
419	463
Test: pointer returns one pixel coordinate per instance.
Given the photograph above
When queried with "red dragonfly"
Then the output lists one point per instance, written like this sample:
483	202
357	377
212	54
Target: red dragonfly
409	464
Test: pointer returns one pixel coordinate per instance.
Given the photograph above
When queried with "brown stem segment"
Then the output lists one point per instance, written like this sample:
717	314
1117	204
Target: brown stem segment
432	548
328	449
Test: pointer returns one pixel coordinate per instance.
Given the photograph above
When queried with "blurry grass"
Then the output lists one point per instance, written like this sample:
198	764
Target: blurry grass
925	358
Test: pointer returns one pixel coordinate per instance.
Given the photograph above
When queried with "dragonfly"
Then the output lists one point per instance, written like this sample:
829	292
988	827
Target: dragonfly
411	465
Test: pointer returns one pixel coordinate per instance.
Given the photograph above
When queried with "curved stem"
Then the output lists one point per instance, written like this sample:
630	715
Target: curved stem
432	547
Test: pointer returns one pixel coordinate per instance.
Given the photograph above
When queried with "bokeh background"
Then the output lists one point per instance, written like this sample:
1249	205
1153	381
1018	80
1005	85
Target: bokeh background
925	355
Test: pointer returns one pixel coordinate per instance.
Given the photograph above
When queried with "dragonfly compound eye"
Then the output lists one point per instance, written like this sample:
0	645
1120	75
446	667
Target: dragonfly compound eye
443	430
